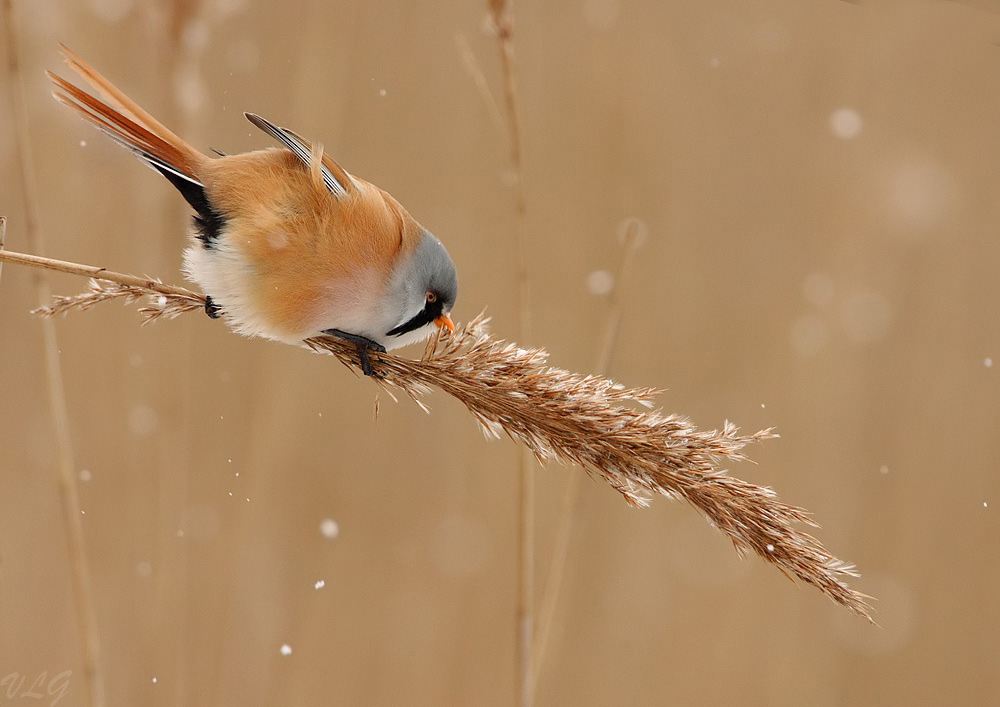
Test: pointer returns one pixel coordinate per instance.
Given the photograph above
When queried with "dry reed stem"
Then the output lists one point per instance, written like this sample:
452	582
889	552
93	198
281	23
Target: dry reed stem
502	16
586	420
144	283
479	78
3	240
83	600
553	585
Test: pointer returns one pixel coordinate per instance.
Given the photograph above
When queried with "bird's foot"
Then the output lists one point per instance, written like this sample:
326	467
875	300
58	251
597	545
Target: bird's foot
365	347
211	308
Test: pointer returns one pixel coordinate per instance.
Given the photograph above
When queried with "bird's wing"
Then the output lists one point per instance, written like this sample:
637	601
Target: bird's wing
335	177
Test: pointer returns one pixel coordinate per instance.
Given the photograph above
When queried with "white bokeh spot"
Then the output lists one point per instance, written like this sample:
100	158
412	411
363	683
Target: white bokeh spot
846	123
329	528
600	282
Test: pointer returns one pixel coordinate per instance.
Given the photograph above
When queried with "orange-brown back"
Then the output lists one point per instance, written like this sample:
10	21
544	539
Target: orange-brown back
299	239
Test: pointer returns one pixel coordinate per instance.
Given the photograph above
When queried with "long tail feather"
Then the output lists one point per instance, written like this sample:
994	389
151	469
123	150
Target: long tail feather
125	122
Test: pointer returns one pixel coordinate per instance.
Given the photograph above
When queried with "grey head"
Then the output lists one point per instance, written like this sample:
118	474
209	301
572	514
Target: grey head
421	293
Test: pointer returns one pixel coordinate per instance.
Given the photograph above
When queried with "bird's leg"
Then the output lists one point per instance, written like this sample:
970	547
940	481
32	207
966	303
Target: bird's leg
211	308
364	344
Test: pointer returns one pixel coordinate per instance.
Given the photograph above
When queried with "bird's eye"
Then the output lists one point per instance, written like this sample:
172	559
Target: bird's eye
431	298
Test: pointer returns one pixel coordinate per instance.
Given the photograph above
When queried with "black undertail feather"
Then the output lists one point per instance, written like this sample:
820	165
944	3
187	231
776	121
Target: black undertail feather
207	221
206	228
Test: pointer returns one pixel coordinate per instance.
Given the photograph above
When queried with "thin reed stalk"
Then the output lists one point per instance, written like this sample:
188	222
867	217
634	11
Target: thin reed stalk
575	419
83	599
502	14
3	240
557	567
143	285
479	78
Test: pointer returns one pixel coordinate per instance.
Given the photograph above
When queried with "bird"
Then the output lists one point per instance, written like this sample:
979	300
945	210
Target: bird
285	243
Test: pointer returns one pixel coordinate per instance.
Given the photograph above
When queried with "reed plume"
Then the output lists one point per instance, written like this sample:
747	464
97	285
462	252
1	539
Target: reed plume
608	429
591	421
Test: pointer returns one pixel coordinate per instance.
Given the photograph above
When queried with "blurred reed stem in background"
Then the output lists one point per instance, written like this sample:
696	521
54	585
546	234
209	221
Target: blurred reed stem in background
553	585
83	599
502	15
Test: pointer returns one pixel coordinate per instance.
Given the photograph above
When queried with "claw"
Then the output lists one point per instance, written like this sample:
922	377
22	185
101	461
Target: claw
364	345
211	308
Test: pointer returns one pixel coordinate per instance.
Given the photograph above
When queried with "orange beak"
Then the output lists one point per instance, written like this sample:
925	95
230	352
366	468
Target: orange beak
444	322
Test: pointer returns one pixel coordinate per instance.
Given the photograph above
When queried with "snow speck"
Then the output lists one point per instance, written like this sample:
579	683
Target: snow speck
988	362
985	504
154	681
382	92
83	513
248	500
600	282
329	528
846	123
883	470
230	493
286	649
762	406
85	475
320	584
230	461
770	548
83	143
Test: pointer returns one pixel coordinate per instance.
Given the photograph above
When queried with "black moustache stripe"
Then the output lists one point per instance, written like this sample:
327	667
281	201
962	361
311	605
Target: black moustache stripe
427	315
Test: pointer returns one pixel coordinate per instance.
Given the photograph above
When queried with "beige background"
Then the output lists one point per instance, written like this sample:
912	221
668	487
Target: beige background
817	182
